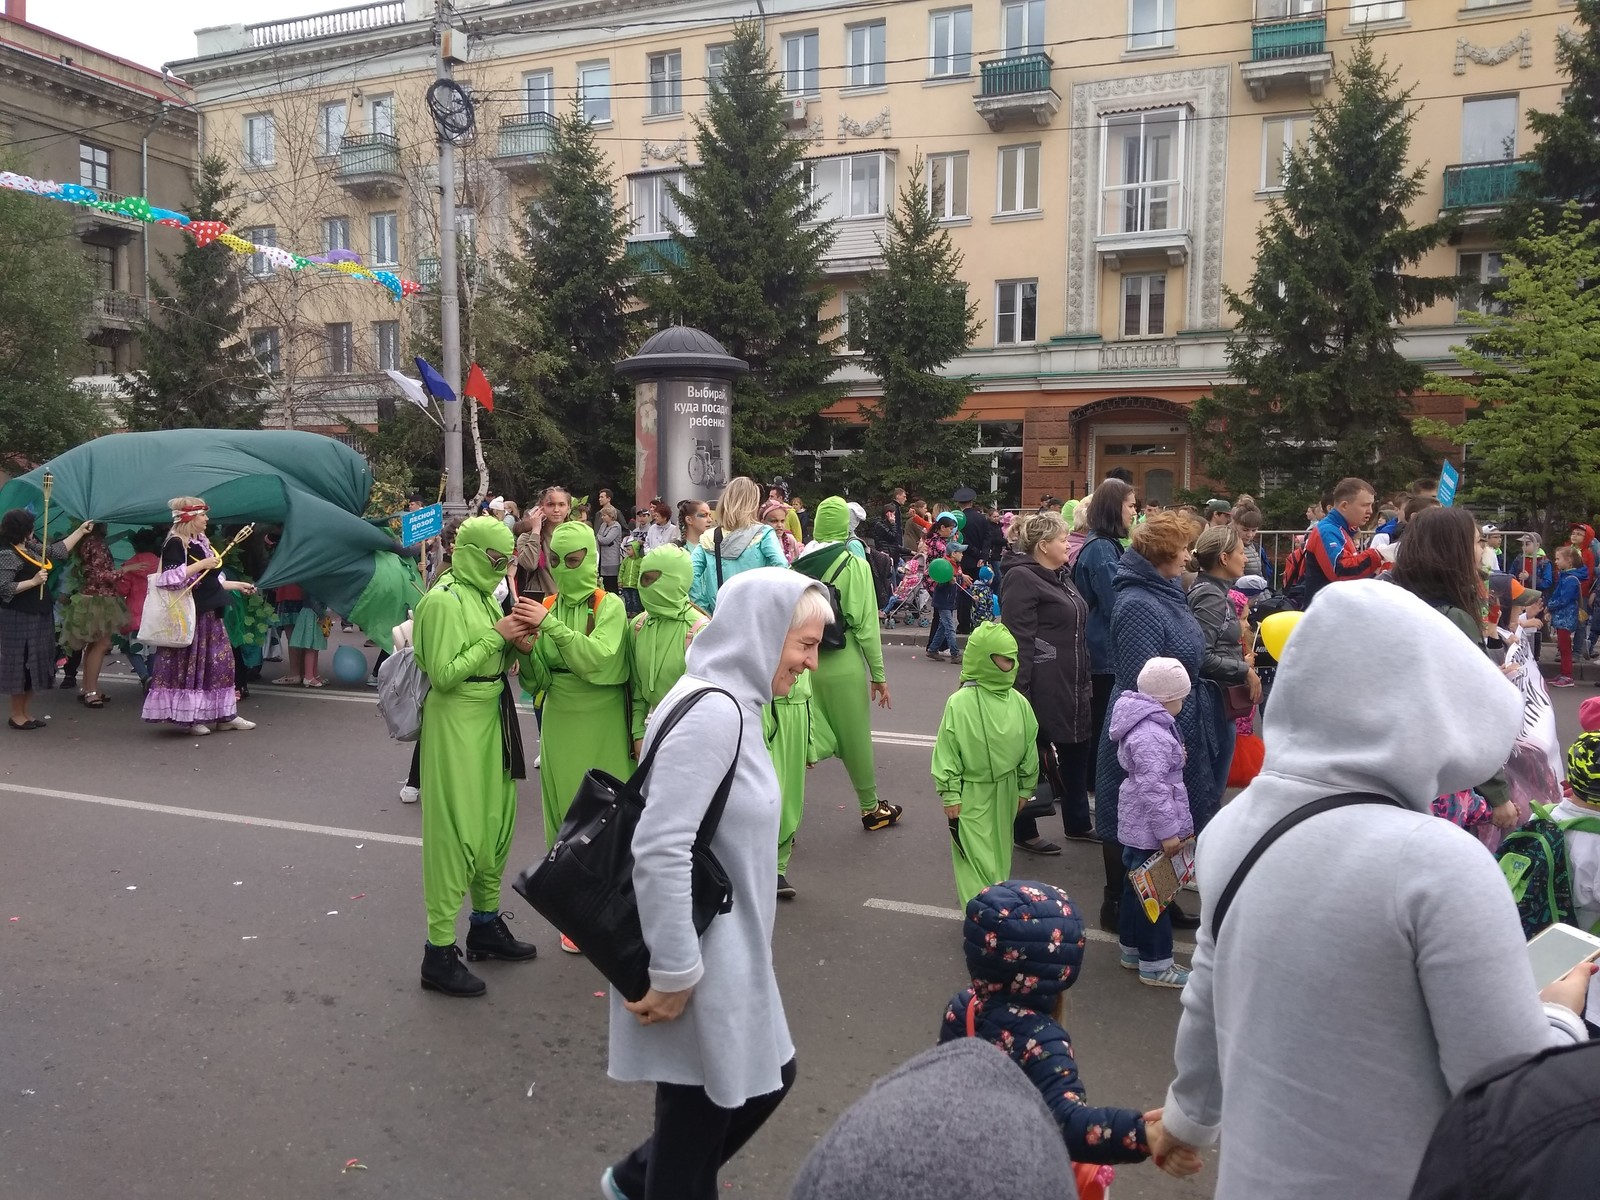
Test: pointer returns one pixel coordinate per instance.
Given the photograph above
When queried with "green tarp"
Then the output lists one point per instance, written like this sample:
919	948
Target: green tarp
313	486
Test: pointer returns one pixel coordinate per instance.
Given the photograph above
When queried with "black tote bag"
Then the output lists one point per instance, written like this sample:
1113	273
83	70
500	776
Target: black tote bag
584	885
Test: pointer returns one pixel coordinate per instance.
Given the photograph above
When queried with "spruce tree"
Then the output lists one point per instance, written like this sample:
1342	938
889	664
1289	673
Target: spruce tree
914	318
198	369
1566	152
751	273
1323	390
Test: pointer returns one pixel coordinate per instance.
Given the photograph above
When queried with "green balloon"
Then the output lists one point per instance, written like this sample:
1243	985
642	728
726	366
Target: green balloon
941	570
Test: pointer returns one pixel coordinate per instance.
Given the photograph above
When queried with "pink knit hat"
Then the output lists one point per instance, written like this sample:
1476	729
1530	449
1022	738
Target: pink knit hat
1164	680
1589	715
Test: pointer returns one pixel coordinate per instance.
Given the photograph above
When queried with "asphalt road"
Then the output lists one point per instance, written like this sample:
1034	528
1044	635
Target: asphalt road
210	985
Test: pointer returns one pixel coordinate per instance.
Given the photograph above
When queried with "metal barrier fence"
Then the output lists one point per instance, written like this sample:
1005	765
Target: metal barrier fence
1276	545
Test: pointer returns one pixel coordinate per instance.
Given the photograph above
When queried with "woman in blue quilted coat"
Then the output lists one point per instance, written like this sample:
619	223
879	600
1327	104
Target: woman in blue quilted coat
1151	619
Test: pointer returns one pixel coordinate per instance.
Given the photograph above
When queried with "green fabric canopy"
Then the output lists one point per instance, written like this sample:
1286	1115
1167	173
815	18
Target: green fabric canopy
313	486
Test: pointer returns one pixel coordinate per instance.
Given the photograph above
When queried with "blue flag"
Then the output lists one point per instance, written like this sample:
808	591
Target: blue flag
433	381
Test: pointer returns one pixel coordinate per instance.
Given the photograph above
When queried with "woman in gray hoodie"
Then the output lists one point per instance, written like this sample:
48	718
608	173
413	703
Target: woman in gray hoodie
711	1032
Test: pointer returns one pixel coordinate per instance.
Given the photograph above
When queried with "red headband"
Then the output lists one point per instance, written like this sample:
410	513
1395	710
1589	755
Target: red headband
180	515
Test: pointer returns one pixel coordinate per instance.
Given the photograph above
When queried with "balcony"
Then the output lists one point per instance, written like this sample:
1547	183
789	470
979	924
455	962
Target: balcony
525	145
1142	220
428	272
106	227
1016	89
112	318
1483	186
649	256
1292	53
1154	355
369	166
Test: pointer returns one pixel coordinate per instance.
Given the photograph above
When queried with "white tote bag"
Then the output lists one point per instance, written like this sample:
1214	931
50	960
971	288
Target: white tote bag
168	619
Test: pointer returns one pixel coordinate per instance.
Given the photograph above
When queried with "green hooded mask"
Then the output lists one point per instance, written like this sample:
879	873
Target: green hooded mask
574	583
668	596
977	661
832	522
469	562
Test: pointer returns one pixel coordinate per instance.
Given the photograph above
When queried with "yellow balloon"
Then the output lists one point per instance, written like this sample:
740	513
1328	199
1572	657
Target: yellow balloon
1275	631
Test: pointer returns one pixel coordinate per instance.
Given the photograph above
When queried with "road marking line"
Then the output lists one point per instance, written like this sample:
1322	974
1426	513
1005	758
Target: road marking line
367	835
955	914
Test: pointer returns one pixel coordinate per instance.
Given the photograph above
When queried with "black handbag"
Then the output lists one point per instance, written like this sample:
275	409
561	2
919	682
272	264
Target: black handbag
1043	801
584	885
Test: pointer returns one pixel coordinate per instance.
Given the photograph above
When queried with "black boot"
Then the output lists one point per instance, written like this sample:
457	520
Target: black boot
493	940
442	972
1111	911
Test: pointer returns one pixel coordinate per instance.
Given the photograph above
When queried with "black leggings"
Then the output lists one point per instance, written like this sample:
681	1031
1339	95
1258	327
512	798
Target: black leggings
692	1139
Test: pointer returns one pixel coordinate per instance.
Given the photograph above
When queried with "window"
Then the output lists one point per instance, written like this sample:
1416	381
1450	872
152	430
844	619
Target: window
1144	305
800	64
539	93
1390	10
260	235
467	230
651	206
947	186
666	83
1018	179
385	244
266	347
865	47
594	91
1481	270
1488	128
1143	171
331	122
950	42
94	167
335	233
386	340
1151	23
260	140
852	307
716	60
103	266
1022	27
380	115
1273	10
1279	137
1016	312
341	348
849	186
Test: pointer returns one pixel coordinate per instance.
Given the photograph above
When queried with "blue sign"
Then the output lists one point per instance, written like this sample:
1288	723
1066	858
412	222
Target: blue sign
421	525
1449	477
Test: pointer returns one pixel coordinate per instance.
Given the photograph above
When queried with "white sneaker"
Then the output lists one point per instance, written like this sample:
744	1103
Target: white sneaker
236	723
199	730
410	795
536	759
372	681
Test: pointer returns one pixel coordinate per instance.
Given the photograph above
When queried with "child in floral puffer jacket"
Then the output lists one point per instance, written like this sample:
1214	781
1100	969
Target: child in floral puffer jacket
1024	948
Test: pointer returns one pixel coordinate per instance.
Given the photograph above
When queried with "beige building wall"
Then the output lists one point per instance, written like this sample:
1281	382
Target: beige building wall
1117	160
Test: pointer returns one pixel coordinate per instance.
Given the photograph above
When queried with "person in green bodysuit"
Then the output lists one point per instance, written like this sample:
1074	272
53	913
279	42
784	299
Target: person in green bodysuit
471	753
580	663
985	760
786	724
662	633
841	707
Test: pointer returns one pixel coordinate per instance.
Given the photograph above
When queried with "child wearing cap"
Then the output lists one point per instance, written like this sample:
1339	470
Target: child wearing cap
1024	949
1154	810
1583	800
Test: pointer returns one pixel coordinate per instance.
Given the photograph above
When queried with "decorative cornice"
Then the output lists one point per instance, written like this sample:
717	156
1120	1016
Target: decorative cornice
851	128
1493	56
43	76
677	151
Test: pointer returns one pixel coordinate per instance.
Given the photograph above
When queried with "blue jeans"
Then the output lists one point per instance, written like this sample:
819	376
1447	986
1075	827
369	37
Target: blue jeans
1153	942
943	634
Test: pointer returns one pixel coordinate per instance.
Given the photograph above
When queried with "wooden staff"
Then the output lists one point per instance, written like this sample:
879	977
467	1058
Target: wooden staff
49	483
226	550
443	477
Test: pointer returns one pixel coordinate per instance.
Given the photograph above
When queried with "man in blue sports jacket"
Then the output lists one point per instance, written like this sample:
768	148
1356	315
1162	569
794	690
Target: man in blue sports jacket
1331	552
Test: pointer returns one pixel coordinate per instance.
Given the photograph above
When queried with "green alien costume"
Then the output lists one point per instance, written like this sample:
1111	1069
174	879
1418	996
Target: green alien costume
580	663
662	633
469	799
841	705
985	759
786	724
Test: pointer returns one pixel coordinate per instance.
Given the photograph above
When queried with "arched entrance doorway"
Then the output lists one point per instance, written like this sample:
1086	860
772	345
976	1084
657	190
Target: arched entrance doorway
1146	436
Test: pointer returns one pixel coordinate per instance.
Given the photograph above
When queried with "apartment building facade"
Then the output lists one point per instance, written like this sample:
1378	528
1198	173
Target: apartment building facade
72	113
1102	168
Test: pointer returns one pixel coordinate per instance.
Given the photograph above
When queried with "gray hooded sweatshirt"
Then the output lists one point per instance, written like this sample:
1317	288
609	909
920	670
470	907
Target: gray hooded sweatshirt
732	1039
1372	962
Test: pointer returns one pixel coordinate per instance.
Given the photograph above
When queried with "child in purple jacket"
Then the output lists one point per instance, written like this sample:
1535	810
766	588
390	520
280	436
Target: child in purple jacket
1154	810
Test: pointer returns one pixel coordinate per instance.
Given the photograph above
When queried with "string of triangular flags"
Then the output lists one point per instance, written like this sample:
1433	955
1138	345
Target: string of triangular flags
137	208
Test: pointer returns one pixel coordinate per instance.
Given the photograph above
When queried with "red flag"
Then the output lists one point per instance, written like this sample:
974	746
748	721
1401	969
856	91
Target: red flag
477	387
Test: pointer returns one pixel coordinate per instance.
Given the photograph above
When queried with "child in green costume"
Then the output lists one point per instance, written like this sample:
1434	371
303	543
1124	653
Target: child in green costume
786	724
985	760
841	706
580	663
663	632
471	755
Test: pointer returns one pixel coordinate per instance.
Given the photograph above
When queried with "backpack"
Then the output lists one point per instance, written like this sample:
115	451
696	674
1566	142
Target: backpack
833	631
549	603
402	687
1533	860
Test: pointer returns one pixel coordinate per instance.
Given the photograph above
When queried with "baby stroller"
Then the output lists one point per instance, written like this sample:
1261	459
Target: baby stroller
1262	607
911	603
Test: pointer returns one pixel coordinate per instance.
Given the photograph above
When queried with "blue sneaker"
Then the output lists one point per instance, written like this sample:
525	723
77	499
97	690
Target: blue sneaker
1129	960
1173	977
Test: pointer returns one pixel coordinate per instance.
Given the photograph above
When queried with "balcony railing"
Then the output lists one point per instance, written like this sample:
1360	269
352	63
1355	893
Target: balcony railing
428	272
1288	39
1483	185
356	19
118	306
1154	355
369	154
528	136
649	257
1016	76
